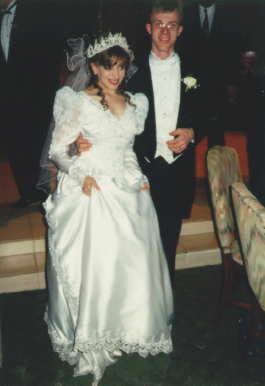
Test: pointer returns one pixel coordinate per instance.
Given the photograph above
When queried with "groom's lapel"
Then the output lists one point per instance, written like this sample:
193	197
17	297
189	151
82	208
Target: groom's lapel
147	87
182	101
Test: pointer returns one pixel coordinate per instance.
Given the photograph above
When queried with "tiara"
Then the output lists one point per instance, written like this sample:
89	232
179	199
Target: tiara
105	42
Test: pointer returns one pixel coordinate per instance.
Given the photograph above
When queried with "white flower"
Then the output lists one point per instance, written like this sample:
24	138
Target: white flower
190	82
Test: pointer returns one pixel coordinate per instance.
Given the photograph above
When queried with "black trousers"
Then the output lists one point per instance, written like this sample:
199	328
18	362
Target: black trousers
170	228
23	152
23	128
215	131
168	200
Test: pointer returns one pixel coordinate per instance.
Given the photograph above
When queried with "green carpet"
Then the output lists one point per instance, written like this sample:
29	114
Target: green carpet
205	355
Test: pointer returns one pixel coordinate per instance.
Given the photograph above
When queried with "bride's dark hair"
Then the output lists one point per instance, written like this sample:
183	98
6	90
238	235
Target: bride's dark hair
108	59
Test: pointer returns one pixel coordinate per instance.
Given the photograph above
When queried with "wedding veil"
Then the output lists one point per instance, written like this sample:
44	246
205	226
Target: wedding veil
78	80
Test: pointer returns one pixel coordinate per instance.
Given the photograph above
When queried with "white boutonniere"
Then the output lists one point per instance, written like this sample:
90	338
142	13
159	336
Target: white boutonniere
190	82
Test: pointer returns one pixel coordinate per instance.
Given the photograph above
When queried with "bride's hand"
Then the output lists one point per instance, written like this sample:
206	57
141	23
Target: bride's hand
88	184
145	186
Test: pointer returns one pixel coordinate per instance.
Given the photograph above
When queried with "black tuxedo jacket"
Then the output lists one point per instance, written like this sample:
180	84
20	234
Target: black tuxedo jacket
29	80
213	60
175	182
30	76
36	49
219	51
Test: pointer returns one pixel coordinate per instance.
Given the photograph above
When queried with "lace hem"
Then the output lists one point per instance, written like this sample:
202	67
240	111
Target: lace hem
67	351
102	352
164	345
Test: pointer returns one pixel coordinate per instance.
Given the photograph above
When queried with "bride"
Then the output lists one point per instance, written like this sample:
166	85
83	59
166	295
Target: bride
109	288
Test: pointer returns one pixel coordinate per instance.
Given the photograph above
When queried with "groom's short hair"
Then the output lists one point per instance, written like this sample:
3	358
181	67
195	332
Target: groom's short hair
165	6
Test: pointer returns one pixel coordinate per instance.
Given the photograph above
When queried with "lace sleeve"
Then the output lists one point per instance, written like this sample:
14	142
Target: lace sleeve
142	106
67	128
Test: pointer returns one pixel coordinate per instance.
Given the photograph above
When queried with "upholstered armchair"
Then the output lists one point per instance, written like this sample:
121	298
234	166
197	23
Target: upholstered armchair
223	170
250	216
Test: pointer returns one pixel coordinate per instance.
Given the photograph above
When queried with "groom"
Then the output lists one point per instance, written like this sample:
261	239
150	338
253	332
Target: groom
165	149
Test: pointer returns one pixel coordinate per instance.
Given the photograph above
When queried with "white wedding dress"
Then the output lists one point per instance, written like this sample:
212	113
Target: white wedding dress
109	288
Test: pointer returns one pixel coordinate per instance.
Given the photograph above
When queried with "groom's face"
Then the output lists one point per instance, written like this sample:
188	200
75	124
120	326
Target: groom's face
164	29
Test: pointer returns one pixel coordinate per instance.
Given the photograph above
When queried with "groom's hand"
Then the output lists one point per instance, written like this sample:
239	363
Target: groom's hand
182	138
82	144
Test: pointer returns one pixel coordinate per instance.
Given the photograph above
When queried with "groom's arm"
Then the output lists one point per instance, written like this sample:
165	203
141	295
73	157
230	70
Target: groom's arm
190	116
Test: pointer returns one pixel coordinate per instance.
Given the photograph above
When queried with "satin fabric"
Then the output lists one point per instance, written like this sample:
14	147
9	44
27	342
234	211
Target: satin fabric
108	280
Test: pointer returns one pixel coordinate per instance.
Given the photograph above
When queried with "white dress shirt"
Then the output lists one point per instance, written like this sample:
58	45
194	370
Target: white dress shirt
210	12
166	78
6	28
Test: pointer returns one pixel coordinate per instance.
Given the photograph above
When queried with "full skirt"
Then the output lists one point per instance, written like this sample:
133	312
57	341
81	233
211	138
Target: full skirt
109	287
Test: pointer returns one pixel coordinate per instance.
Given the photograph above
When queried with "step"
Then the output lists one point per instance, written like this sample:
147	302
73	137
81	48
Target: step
22	269
197	227
197	251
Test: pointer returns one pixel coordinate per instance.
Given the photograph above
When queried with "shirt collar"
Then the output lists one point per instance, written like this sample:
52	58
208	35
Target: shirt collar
156	61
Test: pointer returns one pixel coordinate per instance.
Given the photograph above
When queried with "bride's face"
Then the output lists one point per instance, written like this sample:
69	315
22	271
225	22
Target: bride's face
110	78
